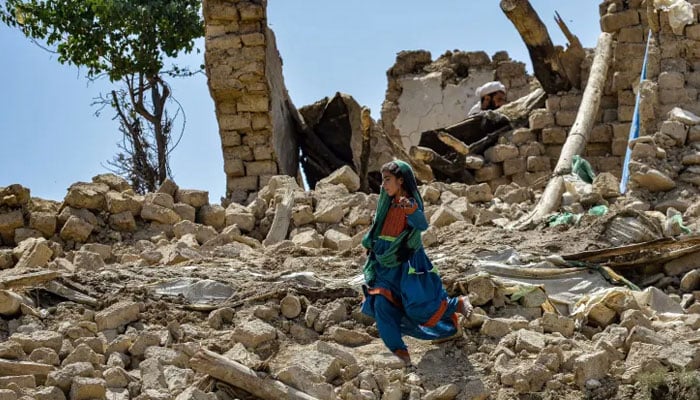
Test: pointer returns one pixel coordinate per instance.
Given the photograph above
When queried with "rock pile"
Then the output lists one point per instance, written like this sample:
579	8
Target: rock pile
104	327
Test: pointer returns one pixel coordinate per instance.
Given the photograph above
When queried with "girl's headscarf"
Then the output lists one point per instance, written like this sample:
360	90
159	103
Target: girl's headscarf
410	238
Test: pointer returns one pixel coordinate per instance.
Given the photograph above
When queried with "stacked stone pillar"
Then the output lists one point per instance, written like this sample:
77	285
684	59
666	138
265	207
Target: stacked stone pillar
241	63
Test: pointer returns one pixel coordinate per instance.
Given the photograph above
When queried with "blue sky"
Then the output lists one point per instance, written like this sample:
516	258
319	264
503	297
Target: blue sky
50	138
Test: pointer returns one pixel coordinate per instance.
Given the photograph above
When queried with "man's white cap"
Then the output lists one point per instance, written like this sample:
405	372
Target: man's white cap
490	87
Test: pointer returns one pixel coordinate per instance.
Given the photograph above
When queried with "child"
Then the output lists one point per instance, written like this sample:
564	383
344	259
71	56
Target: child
404	292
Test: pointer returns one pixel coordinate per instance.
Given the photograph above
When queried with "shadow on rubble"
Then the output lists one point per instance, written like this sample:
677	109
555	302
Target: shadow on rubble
448	363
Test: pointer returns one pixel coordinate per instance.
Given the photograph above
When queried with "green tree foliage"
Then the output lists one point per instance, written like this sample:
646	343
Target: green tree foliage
129	41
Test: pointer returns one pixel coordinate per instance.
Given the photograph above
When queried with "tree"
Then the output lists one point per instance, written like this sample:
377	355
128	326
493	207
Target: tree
129	42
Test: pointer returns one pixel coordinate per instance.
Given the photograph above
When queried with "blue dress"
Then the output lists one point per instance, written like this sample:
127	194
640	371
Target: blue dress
409	299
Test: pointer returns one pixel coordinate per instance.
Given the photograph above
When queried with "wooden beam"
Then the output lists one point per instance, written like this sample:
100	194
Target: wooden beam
458	145
280	224
31	279
240	376
544	56
578	135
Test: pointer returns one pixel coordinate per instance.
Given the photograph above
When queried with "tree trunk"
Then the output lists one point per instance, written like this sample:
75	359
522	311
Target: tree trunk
578	135
544	57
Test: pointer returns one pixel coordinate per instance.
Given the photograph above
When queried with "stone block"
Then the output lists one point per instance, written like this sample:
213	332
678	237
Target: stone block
229	138
553	323
522	135
160	199
675	96
234	167
481	193
488	172
531	149
565	118
337	240
538	163
530	341
344	176
621	130
329	212
591	366
120	202
676	130
514	166
254	333
88	261
671	80
159	214
613	22
601	315
495	327
500	153
212	215
444	216
240	217
553	151
597	149
257	168
570	102
8	223
253	103
193	197
601	133
87	195
302	215
38	339
44	222
88	388
309	238
540	119
117	315
76	229
631	34
682	265
246	183
185	211
35	253
123	222
554	135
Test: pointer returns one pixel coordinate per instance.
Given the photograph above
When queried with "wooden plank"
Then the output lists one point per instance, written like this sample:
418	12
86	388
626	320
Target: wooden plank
240	376
31	279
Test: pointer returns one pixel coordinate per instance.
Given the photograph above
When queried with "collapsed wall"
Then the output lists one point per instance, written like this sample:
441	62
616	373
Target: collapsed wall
253	109
423	95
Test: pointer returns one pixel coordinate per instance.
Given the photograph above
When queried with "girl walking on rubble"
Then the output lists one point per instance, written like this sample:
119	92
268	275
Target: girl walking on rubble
403	291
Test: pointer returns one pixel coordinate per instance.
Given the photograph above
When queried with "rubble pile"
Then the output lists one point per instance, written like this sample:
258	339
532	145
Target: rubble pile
115	295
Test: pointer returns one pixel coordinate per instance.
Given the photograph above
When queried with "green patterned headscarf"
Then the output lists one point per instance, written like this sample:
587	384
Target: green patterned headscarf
409	238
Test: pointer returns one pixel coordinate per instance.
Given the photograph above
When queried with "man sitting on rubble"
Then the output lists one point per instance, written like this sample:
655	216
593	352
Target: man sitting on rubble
492	95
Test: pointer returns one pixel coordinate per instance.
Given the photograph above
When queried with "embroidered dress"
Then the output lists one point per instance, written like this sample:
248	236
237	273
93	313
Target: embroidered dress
404	292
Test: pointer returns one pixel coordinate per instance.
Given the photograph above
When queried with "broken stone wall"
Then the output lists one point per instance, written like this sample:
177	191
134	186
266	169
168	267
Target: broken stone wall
252	105
423	95
666	153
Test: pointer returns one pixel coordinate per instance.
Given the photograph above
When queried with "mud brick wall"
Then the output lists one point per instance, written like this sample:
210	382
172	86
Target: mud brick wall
245	80
423	94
